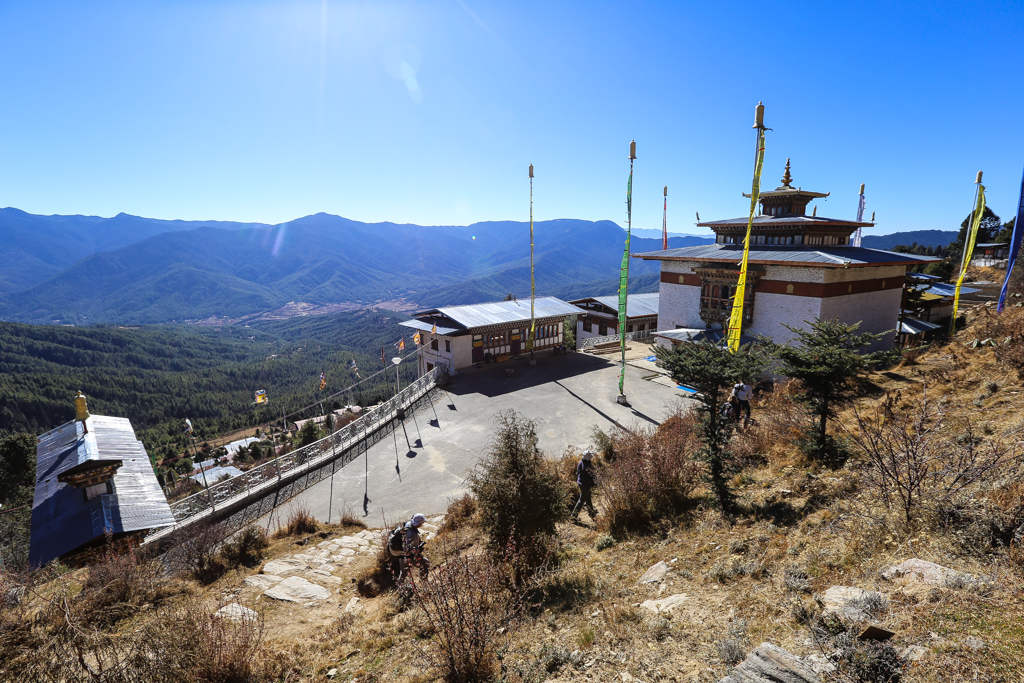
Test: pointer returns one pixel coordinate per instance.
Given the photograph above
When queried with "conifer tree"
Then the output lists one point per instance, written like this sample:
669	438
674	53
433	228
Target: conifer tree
826	360
712	370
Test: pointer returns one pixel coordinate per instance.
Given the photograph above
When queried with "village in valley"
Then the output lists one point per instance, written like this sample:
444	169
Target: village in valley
775	450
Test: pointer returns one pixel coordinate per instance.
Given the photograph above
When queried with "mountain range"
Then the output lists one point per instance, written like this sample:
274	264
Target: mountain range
133	270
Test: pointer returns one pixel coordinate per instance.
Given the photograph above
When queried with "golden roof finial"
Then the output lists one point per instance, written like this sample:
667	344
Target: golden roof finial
81	409
787	179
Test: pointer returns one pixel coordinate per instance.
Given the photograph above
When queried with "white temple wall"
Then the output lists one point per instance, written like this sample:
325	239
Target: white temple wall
875	311
772	312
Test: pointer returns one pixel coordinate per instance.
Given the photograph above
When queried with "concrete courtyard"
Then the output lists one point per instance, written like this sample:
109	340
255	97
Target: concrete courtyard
423	464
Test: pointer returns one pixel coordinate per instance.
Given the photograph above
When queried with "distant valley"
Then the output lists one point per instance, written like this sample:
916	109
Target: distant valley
132	270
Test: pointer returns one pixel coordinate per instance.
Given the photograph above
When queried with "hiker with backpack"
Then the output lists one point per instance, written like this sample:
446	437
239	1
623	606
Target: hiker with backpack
406	548
585	479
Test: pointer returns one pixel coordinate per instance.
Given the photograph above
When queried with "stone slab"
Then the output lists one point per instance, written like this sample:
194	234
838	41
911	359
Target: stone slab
771	664
665	605
263	581
285	566
924	571
297	589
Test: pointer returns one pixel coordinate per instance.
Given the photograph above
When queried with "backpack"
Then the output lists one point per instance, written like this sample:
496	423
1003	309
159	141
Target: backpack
397	539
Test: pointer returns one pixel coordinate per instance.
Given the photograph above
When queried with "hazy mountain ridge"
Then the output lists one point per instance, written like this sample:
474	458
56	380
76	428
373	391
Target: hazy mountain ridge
127	269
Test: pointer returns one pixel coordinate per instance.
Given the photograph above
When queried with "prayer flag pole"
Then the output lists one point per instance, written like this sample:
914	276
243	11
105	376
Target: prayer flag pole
969	239
533	285
664	223
1018	230
624	275
736	317
858	234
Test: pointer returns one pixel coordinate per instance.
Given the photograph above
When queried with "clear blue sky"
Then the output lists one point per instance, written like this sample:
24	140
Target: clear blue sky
430	112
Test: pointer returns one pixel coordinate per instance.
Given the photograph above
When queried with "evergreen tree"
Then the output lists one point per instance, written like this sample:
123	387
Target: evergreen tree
826	361
712	370
17	469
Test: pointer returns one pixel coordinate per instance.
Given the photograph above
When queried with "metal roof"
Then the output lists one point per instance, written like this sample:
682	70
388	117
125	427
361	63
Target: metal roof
214	474
426	324
993	244
62	520
496	313
818	257
688	334
804	221
914	326
637	305
944	288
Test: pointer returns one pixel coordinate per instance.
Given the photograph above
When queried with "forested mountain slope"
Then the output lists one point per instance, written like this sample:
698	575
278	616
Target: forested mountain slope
322	259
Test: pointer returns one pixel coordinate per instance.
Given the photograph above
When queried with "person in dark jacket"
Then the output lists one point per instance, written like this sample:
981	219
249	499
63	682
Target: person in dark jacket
585	480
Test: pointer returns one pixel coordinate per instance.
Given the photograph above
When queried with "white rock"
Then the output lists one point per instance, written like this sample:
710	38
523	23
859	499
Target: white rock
297	589
262	581
914	653
925	572
324	578
308	559
354	606
236	612
342	552
655	573
285	566
430	528
665	605
352	543
837	600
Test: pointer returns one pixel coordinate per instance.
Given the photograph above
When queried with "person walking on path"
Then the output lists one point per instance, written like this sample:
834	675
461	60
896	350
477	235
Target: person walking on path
406	548
743	393
585	480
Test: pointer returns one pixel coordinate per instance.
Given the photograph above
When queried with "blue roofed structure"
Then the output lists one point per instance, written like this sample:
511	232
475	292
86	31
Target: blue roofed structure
93	476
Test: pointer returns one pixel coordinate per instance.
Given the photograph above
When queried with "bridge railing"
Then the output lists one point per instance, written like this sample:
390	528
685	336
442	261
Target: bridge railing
591	342
268	474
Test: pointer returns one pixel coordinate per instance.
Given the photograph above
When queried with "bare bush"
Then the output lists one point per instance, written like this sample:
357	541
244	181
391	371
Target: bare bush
246	548
733	648
120	583
56	641
920	458
653	473
198	551
472	605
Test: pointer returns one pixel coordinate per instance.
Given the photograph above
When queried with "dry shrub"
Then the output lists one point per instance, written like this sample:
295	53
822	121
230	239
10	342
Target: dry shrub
472	605
378	577
56	641
246	548
298	522
923	460
196	551
653	473
460	512
779	422
519	496
1006	329
120	583
348	518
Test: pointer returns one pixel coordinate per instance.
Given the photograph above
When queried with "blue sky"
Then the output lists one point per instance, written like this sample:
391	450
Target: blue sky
430	112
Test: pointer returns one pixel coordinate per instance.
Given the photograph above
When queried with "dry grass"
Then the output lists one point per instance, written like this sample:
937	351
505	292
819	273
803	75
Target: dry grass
299	521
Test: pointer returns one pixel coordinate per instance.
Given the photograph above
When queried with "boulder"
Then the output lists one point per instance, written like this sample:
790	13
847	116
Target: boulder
654	574
297	589
354	606
924	571
771	664
236	612
285	567
665	605
263	581
842	601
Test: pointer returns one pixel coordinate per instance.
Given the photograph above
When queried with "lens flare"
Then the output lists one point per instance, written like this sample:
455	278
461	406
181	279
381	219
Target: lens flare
279	240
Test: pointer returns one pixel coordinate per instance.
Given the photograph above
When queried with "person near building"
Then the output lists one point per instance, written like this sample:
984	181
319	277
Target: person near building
586	480
743	392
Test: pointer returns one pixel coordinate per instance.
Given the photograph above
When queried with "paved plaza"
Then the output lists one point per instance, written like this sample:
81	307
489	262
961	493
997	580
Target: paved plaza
422	465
